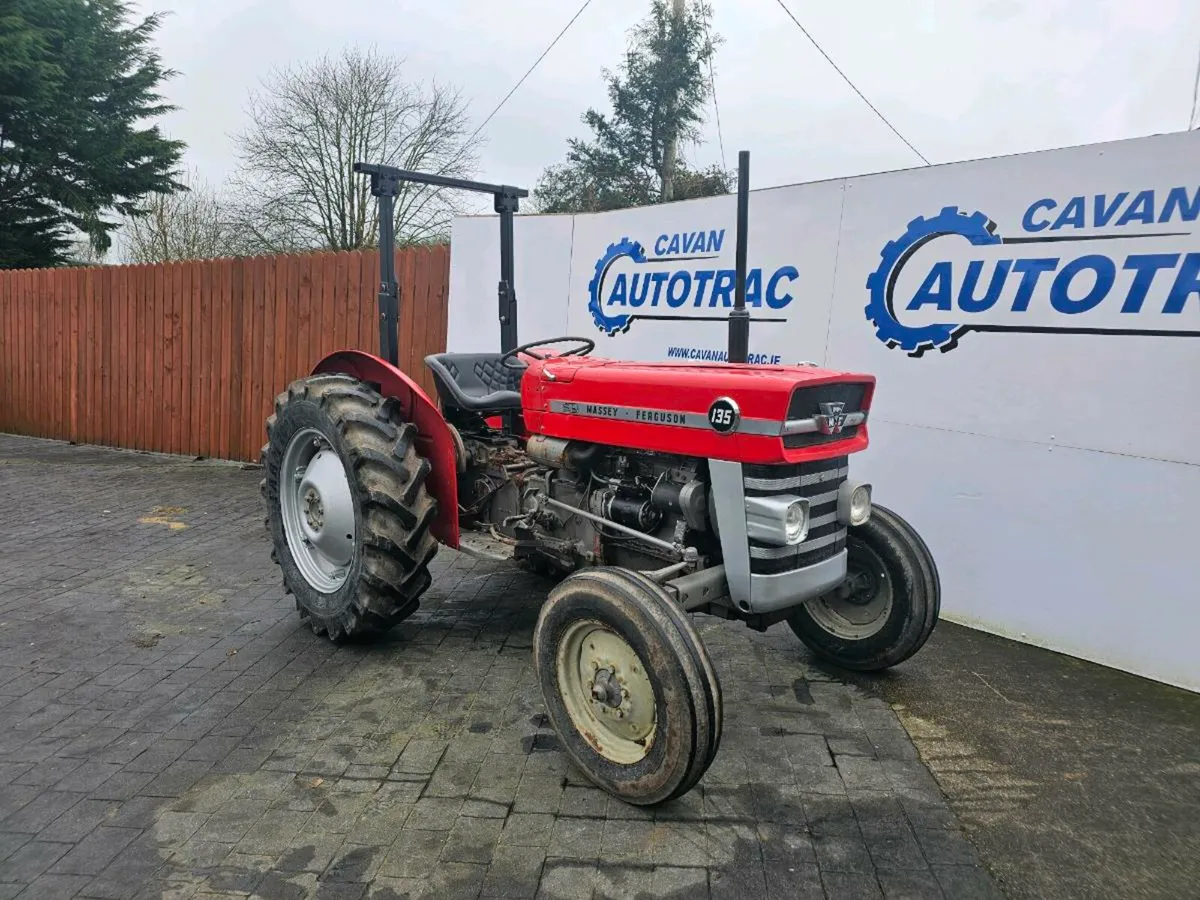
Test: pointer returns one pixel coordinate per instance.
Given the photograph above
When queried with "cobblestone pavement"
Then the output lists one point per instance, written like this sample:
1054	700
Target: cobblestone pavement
167	729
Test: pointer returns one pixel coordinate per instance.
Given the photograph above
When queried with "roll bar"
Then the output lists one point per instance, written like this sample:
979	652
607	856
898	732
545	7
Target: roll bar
385	185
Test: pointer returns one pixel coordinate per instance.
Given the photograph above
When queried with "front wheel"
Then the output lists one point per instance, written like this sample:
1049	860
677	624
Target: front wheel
628	685
886	608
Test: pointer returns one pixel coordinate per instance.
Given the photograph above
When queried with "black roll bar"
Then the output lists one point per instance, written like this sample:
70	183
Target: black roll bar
385	185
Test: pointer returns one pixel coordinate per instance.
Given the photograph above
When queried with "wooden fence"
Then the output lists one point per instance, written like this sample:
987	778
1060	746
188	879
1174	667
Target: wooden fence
187	357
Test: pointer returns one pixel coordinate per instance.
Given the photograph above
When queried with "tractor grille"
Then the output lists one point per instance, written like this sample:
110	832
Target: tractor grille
806	403
819	482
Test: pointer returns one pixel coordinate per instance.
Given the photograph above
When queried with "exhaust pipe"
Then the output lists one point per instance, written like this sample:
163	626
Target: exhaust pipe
739	316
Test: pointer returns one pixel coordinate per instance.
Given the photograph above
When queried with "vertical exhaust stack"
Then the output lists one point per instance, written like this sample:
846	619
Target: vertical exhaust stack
739	316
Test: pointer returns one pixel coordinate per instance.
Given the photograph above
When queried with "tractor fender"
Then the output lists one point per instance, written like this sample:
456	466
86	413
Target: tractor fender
435	441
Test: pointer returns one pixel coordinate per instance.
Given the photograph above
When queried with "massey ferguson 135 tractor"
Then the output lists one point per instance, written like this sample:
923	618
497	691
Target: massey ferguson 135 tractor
653	490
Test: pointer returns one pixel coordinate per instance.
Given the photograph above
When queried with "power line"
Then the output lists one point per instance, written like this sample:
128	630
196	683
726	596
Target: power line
712	80
846	78
500	105
1195	95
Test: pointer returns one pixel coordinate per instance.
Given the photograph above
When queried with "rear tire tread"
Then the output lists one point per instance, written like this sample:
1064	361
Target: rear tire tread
396	510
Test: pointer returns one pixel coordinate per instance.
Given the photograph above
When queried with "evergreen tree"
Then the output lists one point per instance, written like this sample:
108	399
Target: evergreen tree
658	98
78	83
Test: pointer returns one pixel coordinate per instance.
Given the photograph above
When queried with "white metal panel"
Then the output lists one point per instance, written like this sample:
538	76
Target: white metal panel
543	268
1091	554
1121	393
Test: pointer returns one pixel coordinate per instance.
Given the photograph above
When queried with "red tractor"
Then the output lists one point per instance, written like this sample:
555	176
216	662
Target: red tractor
652	490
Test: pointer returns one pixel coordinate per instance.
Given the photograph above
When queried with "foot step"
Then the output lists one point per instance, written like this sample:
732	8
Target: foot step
484	546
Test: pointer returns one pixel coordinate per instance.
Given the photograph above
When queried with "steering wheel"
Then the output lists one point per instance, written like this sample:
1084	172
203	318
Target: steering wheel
587	345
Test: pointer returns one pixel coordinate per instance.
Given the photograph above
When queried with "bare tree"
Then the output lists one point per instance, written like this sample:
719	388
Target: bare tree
191	224
312	122
82	252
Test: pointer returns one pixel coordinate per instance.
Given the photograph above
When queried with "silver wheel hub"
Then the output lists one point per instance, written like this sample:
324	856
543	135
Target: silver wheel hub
317	510
860	606
607	691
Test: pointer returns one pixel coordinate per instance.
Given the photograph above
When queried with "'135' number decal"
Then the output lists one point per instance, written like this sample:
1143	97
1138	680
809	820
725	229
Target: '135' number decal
723	415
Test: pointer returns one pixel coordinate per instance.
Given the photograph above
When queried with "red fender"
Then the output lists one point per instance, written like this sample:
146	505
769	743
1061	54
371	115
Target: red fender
434	441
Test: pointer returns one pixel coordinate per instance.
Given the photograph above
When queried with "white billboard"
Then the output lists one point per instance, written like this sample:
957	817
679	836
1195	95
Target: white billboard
1032	321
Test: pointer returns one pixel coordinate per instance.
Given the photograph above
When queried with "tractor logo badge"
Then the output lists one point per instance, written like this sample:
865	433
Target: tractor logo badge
832	418
1074	270
724	415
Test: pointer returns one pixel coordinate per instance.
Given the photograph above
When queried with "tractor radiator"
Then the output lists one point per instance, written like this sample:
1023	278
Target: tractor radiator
819	482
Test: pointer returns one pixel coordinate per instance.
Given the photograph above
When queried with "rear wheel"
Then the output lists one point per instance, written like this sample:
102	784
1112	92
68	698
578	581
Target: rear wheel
888	605
347	508
628	685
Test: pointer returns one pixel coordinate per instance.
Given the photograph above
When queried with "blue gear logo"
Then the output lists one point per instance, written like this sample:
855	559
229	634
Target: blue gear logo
916	340
617	324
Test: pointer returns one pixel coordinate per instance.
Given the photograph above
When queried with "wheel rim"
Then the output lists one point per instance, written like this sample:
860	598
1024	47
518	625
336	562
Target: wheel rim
860	606
317	510
606	691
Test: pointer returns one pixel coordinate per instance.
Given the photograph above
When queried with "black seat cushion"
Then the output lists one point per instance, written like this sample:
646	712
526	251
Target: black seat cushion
477	381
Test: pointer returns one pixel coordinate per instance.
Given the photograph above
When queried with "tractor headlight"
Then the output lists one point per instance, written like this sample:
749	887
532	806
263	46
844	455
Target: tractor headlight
854	502
795	524
779	520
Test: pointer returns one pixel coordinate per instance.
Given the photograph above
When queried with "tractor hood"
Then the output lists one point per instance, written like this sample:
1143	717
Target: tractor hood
746	413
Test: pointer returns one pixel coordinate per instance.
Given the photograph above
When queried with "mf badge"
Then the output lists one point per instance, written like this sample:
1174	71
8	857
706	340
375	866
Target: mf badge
832	418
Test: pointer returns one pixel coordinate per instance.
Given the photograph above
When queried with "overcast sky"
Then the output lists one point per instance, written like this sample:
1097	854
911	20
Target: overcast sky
960	79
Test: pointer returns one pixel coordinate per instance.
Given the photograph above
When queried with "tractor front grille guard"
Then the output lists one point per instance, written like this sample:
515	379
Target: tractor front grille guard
818	482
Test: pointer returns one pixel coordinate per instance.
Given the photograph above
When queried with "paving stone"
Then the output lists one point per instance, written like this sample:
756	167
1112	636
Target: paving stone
627	842
55	887
538	794
586	802
909	885
472	840
944	847
91	855
845	886
122	786
39	812
673	881
514	872
828	815
74	824
785	843
32	859
87	777
737	882
415	853
184	736
679	844
567	880
355	863
894	846
842	853
11	842
528	829
436	813
966	883
457	880
793	881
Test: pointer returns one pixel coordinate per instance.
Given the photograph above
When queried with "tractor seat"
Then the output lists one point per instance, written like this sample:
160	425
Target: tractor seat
476	381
